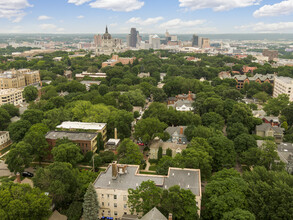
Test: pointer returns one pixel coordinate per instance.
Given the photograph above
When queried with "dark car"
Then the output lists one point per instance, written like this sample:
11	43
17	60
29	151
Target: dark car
27	174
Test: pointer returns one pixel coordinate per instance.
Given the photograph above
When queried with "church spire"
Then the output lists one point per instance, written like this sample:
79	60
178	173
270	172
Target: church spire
106	29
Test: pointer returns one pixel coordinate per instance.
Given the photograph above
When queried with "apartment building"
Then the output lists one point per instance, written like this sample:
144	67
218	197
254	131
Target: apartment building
116	59
86	141
259	78
4	139
85	127
18	78
283	85
11	96
91	76
112	186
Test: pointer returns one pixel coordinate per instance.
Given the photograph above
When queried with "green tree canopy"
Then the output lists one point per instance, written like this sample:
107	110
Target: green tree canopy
90	204
30	93
69	153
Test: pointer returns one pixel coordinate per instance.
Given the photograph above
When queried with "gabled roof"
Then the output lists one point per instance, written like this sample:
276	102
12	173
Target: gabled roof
267	126
154	214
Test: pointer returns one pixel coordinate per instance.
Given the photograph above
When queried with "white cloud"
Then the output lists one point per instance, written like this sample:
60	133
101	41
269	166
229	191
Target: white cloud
44	17
217	5
80	17
282	8
13	9
179	24
78	2
118	5
266	28
113	25
148	21
48	26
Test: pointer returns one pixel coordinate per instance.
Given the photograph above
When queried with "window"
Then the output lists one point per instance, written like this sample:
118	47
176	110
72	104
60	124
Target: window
108	195
102	203
115	213
125	206
115	205
115	196
102	195
109	212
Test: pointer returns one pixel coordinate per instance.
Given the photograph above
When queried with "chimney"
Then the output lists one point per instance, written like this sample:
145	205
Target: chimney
114	170
115	134
18	180
181	130
170	216
189	96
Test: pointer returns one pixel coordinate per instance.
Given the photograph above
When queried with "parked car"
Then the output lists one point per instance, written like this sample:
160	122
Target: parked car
27	174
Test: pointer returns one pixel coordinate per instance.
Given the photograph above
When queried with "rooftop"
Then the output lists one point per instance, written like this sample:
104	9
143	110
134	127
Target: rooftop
9	91
267	126
82	125
185	178
154	214
285	152
3	132
284	79
73	136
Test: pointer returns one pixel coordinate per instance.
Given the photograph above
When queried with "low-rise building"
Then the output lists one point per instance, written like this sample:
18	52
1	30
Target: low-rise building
88	83
274	121
177	134
116	59
259	78
248	69
175	147
85	140
283	85
143	75
92	76
112	186
183	105
85	127
5	140
267	130
11	96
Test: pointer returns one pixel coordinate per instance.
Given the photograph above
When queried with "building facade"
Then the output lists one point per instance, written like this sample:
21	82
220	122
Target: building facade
259	78
4	139
283	85
86	141
105	44
112	186
11	96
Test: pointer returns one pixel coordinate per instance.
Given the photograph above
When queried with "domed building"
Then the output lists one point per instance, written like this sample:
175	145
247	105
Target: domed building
105	44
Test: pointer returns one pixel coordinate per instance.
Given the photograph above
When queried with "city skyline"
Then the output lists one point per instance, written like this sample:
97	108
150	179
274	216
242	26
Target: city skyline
147	16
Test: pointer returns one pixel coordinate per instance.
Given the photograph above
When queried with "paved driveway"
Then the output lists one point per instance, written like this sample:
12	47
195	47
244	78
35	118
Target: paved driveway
4	170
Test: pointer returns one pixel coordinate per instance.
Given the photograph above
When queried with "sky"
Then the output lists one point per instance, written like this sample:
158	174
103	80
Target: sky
148	16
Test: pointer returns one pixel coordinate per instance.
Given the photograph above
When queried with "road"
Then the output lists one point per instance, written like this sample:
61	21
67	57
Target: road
4	170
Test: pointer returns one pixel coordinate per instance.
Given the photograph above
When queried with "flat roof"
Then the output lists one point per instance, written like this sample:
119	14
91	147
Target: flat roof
185	178
73	136
82	125
284	79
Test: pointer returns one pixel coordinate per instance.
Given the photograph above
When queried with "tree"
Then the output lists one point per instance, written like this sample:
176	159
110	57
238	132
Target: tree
11	109
235	129
96	161
261	96
107	156
136	97
288	113
69	153
275	105
19	157
60	180
145	197
238	214
180	202
169	152
224	193
33	116
30	93
214	120
160	153
270	193
4	119
90	204
147	129
20	201
164	164
100	142
158	94
243	142
196	159
224	152
17	130
103	89
129	153
200	131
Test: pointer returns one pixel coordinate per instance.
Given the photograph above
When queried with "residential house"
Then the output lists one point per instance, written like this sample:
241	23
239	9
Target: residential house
85	127
274	121
5	140
85	140
267	130
177	134
183	106
143	75
112	186
154	213
224	75
88	83
175	147
248	69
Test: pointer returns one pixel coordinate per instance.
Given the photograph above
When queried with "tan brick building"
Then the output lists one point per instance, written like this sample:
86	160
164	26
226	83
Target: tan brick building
4	139
18	78
11	96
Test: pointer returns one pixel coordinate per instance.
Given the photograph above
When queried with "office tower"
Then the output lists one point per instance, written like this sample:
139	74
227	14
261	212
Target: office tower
132	39
195	42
